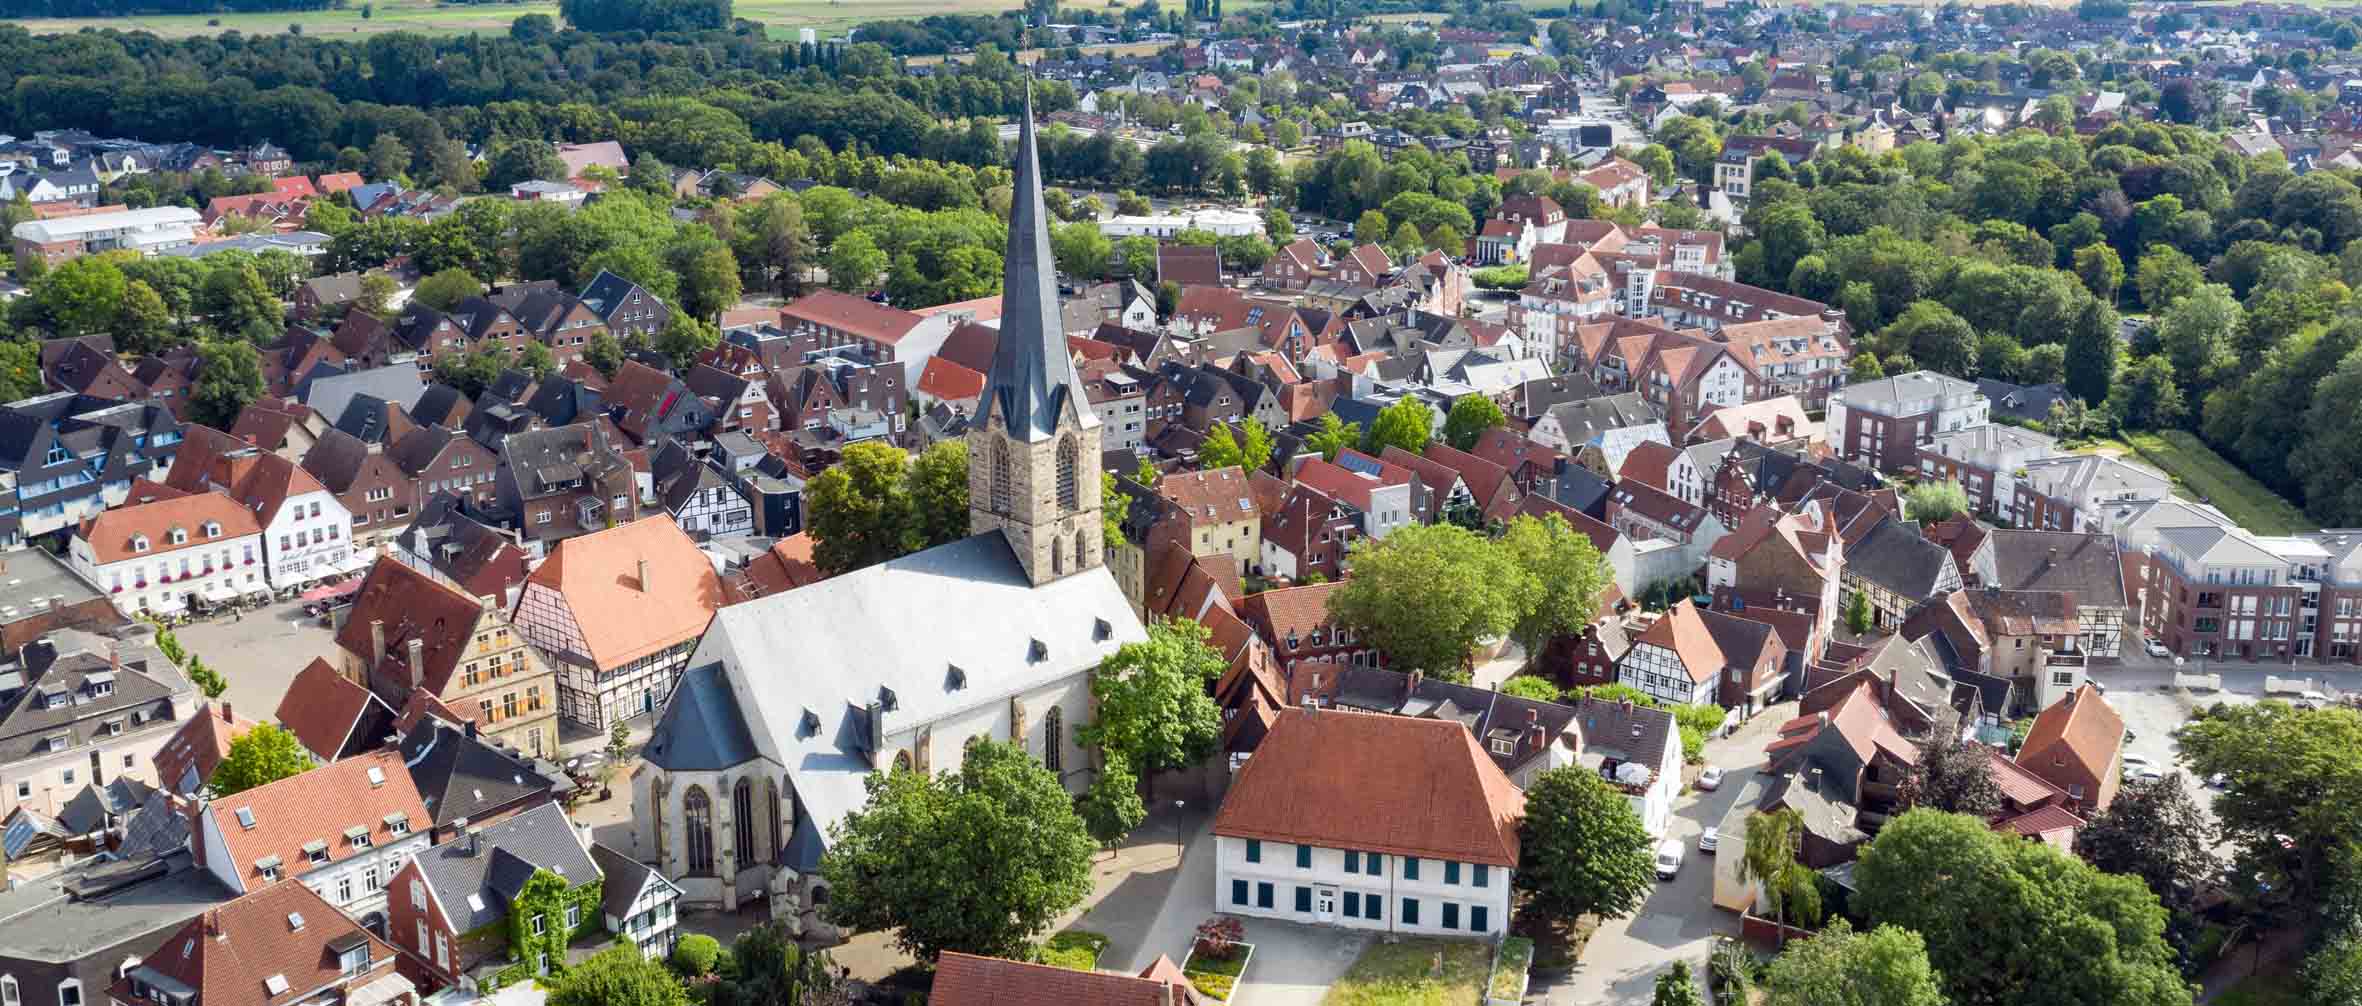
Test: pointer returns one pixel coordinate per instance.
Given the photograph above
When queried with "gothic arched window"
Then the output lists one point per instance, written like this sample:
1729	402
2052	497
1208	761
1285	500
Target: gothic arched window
1083	552
742	820
1069	461
1001	491
1057	556
1053	746
697	817
771	827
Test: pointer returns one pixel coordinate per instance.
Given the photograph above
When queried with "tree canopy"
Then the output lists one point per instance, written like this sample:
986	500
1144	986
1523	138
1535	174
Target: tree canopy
1155	704
1583	850
265	754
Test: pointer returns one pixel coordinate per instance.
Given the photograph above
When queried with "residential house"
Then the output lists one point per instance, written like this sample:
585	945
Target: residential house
2088	567
885	334
625	307
65	457
637	902
1694	656
447	544
1390	824
2074	492
76	714
1986	462
565	481
698	496
1637	750
1885	423
368	484
1213	513
164	548
185	764
333	716
304	525
617	613
280	944
406	633
1897	569
2077	745
66	936
515	891
342	829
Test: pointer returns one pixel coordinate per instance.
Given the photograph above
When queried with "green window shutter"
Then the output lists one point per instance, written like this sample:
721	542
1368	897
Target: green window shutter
1410	867
1254	850
1238	892
1451	915
1476	921
1304	899
1484	875
1263	895
1451	872
1410	911
1352	861
1352	904
1303	857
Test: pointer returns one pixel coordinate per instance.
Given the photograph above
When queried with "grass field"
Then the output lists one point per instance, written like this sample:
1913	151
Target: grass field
783	17
1398	975
2208	474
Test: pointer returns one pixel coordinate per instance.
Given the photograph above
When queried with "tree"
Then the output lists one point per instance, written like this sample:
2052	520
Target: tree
854	263
604	353
1333	437
389	157
617	976
2101	270
2198	330
696	954
1954	776
524	161
1426	594
1863	367
2091	352
975	861
859	511
1112	807
209	682
1583	851
2148	396
2155	831
1371	226
1858	615
144	324
1248	449
80	296
1564	575
1155	709
1886	966
1081	249
1470	417
1790	889
229	375
1530	686
20	369
2072	935
1930	502
1937	338
265	754
2288	772
2332	975
2165	275
239	303
377	289
1406	424
1676	986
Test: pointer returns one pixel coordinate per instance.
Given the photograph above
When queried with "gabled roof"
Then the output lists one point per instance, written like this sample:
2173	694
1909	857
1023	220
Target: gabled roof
622	619
475	879
412	606
968	980
322	709
2085	564
198	747
2080	727
368	791
1389	784
276	946
461	776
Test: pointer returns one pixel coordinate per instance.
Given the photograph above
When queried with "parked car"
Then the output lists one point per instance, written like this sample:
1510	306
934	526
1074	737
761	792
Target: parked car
1708	839
1711	779
2143	774
1669	853
2156	649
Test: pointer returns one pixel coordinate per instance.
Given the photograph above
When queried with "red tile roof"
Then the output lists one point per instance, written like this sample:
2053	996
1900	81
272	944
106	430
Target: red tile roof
412	606
320	708
2042	821
949	381
968	980
112	532
786	565
235	954
316	806
1221	495
620	618
1391	784
199	745
2083	726
852	315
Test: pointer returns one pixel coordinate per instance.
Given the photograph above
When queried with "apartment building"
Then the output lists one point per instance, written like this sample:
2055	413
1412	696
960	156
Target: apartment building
1884	423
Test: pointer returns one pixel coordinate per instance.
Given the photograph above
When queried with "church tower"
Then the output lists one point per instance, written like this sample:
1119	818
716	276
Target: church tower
1033	447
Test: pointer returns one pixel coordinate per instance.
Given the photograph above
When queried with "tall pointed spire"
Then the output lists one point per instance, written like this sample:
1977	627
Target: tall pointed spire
1033	378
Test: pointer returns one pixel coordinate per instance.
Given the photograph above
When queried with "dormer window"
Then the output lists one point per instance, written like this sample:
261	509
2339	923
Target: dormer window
178	535
139	543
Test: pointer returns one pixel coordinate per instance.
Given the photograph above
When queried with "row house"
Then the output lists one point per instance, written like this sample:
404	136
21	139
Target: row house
617	613
1119	397
1298	625
456	907
1801	357
1308	534
741	402
1780	553
1561	293
280	944
378	494
1670	537
1985	461
342	829
885	334
1885	423
697	494
1897	570
408	633
1211	513
847	393
78	713
446	543
1385	496
441	460
165	550
557	483
2087	565
64	458
304	526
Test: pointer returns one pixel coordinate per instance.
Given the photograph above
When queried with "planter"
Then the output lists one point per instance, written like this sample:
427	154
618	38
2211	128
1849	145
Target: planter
1217	980
1513	963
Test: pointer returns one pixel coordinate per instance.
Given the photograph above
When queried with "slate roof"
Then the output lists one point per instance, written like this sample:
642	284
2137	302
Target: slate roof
701	730
59	696
624	878
476	888
1898	559
461	776
2084	564
1487	713
60	918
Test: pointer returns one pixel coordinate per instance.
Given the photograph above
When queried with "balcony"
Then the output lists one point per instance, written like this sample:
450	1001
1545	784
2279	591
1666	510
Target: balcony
2064	658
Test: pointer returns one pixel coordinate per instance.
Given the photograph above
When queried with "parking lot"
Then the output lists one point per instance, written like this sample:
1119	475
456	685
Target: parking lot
259	652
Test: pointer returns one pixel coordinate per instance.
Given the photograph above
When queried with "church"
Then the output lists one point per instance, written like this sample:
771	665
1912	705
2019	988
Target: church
790	701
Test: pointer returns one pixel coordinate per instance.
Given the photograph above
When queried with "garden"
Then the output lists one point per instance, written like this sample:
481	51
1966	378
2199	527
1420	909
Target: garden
1218	957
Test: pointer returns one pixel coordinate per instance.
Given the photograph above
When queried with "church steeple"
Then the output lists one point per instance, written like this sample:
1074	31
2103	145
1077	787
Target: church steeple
1033	448
1032	381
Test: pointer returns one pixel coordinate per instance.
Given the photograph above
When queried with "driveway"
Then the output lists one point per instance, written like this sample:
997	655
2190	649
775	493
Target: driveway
1294	965
1679	921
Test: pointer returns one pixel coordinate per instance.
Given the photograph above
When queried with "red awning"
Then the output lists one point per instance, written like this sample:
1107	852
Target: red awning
332	591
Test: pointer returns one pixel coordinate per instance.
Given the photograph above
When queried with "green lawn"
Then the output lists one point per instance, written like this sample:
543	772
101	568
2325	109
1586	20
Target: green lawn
2264	990
2205	473
1074	949
1402	974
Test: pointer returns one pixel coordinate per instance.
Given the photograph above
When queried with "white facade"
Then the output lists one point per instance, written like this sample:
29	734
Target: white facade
590	696
652	922
1222	222
1360	889
1660	674
356	884
306	540
218	566
717	510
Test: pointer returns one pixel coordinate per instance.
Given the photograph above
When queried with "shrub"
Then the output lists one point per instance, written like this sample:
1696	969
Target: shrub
696	954
1218	937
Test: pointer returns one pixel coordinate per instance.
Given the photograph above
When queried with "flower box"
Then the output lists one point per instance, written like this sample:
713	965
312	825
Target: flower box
1217	979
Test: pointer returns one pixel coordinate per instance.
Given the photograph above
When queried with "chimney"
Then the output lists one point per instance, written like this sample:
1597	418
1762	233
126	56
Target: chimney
643	576
471	729
2051	560
376	640
417	662
475	841
226	715
1417	678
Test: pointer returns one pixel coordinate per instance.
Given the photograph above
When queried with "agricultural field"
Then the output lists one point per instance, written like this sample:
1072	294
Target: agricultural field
784	17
